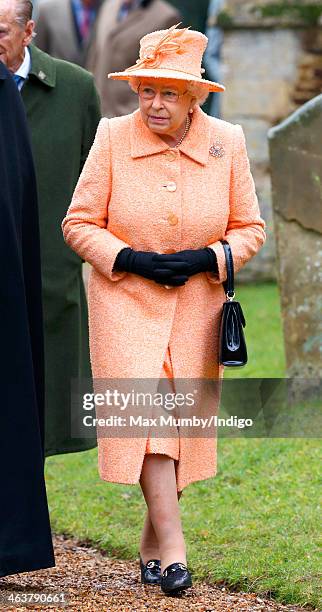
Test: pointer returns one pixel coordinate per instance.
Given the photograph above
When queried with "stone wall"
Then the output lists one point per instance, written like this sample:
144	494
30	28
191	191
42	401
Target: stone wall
258	87
296	159
269	69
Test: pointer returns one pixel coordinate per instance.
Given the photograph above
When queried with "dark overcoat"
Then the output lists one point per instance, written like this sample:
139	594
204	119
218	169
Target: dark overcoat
63	112
25	538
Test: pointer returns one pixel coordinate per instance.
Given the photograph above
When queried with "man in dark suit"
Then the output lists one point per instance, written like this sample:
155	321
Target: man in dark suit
63	112
64	28
25	538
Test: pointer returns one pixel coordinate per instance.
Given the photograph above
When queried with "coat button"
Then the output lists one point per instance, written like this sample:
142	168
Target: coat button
171	186
173	219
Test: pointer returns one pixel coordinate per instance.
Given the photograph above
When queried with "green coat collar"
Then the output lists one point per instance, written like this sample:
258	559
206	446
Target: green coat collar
43	67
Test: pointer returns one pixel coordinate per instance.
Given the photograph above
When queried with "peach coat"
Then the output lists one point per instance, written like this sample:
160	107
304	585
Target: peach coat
135	191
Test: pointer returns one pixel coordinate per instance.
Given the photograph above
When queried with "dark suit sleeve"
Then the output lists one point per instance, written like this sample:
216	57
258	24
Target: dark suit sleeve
92	116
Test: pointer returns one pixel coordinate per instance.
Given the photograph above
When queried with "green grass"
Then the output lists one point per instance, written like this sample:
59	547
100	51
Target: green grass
253	527
263	332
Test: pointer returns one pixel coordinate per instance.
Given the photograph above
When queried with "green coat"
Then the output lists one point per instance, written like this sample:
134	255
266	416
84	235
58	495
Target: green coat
63	112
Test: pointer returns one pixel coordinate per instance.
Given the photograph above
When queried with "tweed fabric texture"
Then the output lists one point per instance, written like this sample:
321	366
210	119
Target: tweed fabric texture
134	191
168	444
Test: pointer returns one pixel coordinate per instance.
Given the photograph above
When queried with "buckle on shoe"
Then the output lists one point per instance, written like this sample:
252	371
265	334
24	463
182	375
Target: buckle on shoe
181	566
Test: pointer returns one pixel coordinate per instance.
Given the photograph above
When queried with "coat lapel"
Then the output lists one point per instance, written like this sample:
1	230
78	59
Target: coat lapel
42	75
197	142
43	67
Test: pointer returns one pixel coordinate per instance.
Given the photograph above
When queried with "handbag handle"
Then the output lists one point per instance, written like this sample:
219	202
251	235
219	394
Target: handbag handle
229	283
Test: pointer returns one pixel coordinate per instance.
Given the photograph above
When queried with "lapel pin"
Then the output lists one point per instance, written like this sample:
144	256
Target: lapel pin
41	75
217	149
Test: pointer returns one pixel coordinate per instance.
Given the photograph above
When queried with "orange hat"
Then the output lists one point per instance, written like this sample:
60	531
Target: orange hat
171	54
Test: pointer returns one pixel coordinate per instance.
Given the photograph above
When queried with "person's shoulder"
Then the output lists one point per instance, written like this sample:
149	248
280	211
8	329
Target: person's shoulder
221	124
115	125
71	71
224	129
74	78
9	93
112	133
121	121
4	72
61	69
12	117
119	128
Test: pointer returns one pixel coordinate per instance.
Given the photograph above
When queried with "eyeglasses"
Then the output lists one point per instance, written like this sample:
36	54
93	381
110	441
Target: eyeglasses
167	95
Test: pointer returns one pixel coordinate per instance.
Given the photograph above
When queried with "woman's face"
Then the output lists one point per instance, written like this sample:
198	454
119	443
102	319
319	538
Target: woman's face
164	104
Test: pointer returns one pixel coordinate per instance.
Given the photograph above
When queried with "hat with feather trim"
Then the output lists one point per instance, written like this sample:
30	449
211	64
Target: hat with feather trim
171	54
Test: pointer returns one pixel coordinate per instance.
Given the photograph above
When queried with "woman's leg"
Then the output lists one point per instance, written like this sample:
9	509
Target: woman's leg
149	547
158	483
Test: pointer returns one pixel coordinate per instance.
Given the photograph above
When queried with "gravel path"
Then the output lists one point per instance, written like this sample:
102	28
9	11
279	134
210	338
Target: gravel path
93	582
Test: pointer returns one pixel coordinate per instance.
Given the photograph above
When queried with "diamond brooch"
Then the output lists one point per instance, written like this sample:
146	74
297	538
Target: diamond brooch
217	149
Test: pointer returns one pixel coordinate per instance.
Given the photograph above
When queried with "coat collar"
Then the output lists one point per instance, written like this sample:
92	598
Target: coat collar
43	67
195	145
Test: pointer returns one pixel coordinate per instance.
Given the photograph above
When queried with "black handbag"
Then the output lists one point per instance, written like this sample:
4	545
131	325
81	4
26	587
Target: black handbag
232	345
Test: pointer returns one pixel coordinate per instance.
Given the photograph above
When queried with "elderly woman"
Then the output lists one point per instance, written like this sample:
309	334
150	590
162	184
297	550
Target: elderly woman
159	191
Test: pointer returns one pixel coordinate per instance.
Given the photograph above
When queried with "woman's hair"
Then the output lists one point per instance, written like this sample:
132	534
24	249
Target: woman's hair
196	90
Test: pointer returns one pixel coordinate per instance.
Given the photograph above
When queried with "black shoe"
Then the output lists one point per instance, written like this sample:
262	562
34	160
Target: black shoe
151	571
175	578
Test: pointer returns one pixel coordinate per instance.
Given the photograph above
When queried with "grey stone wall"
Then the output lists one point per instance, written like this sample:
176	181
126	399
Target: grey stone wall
259	68
271	65
296	157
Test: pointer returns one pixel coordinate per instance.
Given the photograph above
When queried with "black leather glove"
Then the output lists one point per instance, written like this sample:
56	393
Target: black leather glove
145	264
197	260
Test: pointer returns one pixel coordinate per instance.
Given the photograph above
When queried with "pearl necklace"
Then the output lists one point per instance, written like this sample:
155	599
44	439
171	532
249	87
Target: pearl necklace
188	123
